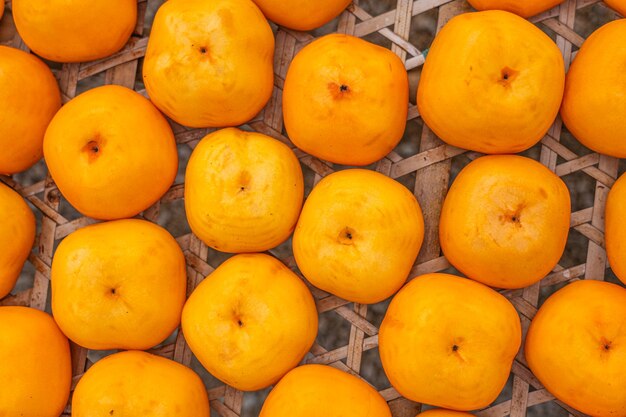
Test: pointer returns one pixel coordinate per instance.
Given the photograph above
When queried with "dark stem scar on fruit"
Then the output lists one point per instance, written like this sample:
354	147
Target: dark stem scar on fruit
346	236
455	348
93	148
338	91
507	75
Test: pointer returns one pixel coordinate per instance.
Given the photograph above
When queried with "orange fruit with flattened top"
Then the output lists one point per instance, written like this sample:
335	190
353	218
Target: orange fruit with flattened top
210	62
615	228
314	390
449	342
302	14
111	153
17	235
505	221
134	383
595	91
29	97
440	412
358	235
118	285
250	321
576	347
345	100
75	30
492	83
36	368
243	191
522	8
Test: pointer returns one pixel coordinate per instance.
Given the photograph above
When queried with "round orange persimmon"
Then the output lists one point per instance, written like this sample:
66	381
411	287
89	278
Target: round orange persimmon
522	8
118	285
17	235
492	83
575	346
358	235
302	14
346	100
137	383
111	153
310	389
440	412
243	191
449	341
615	228
250	321
210	62
75	30
617	5
36	367
29	97
595	93
505	221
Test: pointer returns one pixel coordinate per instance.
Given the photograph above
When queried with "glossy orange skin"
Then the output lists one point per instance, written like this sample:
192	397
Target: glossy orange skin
358	235
499	75
449	342
440	412
250	321
36	360
118	285
243	191
345	100
209	63
505	221
29	97
302	14
595	93
522	8
576	347
320	390
111	153
17	235
75	30
615	228
618	5
135	383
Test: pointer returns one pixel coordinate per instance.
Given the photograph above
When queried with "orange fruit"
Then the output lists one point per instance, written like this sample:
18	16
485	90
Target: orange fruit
111	153
302	14
499	75
615	228
449	342
505	221
250	321
618	5
137	383
522	8
210	62
1	9
36	369
243	191
118	285
29	96
345	100
358	235
75	30
314	390
17	235
440	412
595	92
576	347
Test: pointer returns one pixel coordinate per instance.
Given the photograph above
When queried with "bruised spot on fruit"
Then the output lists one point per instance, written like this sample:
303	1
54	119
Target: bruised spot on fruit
346	236
543	193
111	412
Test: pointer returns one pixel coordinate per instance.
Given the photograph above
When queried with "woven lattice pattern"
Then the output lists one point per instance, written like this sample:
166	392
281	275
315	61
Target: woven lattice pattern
348	335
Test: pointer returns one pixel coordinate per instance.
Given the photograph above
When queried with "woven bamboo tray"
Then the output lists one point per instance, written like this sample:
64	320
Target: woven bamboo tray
348	333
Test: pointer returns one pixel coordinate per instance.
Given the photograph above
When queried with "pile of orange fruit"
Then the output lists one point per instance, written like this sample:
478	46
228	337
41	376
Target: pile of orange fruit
492	83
